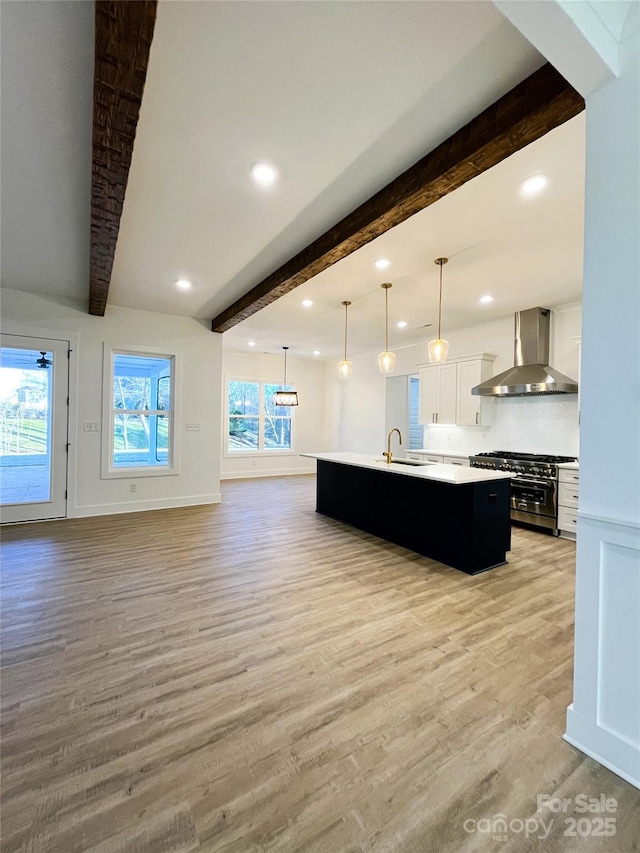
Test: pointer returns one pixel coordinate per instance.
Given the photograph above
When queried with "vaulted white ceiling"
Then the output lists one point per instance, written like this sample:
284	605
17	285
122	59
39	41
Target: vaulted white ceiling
522	250
341	97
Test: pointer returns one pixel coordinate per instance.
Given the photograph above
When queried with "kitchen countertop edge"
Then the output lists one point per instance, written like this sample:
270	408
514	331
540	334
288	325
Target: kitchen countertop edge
454	475
456	454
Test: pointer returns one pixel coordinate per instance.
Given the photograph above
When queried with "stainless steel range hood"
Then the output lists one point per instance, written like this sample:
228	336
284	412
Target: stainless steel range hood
531	373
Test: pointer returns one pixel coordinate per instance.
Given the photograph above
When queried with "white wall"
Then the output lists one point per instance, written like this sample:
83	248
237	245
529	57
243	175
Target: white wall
308	379
198	481
359	416
604	718
535	424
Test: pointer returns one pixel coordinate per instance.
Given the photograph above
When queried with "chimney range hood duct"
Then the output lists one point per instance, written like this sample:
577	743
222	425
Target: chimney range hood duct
531	373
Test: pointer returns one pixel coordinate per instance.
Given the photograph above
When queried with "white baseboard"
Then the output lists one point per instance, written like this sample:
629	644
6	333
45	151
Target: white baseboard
623	758
143	506
275	472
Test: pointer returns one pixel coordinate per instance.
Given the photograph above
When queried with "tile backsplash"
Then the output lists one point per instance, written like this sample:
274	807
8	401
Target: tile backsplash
544	424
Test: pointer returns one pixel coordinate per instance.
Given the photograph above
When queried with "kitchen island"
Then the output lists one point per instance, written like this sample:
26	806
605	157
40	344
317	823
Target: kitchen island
456	515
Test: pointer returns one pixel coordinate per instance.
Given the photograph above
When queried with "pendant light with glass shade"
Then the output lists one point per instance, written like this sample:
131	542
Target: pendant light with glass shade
439	348
386	359
284	397
345	367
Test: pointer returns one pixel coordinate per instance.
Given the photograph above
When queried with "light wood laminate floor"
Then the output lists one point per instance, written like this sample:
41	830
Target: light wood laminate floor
256	677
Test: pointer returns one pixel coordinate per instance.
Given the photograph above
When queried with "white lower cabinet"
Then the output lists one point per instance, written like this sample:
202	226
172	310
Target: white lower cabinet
456	460
434	457
568	494
423	457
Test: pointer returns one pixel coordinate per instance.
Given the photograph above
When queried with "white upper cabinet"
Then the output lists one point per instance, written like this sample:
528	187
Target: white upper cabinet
445	390
446	411
471	373
438	394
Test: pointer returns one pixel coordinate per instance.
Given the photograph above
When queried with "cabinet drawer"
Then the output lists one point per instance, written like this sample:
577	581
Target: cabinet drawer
565	476
455	460
568	495
417	457
432	458
567	518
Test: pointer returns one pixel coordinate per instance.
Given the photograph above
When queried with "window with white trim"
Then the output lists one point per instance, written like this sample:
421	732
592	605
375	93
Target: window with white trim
254	424
139	410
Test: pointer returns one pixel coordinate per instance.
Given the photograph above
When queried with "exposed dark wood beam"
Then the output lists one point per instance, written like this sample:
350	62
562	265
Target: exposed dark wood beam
123	34
541	102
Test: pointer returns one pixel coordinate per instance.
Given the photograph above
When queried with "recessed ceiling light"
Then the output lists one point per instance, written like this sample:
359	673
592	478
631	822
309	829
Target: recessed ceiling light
382	264
251	343
401	324
486	299
533	184
183	284
316	352
307	303
264	174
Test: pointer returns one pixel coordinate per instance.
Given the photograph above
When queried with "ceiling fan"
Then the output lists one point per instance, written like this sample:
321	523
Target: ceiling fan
44	362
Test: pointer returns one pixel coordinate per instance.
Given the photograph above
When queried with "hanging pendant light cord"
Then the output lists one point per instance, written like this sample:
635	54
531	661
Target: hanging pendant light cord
346	308
441	262
284	387
386	319
440	305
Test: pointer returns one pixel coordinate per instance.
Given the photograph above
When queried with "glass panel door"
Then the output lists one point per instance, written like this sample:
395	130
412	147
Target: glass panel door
33	428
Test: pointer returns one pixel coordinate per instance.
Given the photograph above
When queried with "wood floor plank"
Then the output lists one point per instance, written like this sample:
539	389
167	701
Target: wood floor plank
253	676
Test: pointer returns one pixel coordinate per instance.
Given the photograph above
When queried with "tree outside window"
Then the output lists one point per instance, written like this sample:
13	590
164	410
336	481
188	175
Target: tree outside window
141	411
255	424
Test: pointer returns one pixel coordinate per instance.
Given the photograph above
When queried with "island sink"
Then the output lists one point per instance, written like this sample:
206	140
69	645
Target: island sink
405	462
410	462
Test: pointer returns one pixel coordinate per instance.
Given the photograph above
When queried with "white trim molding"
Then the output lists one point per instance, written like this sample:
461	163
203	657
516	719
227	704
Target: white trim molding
604	719
259	473
145	505
108	470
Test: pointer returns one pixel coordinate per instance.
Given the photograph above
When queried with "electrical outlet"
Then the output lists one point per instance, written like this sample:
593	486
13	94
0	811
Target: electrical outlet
192	427
133	487
91	426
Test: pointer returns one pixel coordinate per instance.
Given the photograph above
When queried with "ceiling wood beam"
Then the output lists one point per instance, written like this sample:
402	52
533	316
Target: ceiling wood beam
541	102
123	34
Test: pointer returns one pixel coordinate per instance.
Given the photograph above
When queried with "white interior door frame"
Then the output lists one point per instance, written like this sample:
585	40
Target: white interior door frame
32	335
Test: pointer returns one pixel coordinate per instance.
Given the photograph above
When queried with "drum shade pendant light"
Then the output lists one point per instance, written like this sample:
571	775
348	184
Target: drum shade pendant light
345	367
283	397
386	359
439	348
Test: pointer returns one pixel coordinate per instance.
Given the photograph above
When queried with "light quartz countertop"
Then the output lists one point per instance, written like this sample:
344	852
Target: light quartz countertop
431	451
569	466
452	474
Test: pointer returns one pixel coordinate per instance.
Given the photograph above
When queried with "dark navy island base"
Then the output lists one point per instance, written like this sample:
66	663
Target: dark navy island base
465	526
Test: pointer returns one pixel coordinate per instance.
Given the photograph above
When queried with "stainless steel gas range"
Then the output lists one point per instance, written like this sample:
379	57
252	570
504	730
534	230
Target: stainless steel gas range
534	489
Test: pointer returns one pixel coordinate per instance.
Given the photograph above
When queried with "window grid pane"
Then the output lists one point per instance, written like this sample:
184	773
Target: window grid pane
142	393
255	424
243	434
